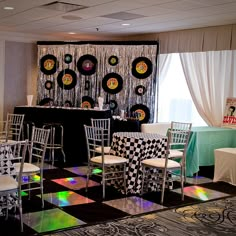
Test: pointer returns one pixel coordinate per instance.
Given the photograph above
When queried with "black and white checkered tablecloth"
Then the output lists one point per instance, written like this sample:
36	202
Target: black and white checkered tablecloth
137	146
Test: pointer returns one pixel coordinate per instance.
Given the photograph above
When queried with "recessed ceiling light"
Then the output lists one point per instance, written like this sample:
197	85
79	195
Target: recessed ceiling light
8	8
125	24
71	33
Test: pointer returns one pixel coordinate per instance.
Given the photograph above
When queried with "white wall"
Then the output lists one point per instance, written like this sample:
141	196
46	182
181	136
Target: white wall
2	77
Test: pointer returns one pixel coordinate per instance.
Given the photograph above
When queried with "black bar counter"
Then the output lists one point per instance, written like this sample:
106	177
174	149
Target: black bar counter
73	120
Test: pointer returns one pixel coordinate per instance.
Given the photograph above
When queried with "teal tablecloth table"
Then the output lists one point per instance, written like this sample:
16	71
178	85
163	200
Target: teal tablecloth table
202	142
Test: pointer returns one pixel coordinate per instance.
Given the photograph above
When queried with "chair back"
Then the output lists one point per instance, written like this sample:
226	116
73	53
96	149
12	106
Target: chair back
178	136
14	126
94	139
159	128
39	141
11	153
105	124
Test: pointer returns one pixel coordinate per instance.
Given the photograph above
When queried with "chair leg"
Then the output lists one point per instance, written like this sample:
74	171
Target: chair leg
53	144
163	187
64	155
87	179
184	170
7	201
42	197
103	184
182	183
20	211
124	174
29	191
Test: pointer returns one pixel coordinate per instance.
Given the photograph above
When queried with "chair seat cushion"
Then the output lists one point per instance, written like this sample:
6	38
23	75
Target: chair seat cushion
109	159
160	163
27	168
7	183
106	149
175	153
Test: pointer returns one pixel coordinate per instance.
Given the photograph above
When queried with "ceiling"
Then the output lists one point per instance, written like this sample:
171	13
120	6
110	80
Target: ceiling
105	17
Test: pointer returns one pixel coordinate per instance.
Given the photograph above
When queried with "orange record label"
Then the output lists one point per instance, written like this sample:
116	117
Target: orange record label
112	83
141	67
49	64
141	114
86	104
67	79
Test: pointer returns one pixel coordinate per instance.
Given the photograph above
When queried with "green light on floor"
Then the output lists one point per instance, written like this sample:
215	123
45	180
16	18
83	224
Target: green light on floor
97	171
24	194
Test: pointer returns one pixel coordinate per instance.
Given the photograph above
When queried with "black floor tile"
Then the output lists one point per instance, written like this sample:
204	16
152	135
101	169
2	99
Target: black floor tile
91	208
94	212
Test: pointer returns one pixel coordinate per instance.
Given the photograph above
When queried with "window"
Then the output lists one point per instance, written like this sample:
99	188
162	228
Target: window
174	100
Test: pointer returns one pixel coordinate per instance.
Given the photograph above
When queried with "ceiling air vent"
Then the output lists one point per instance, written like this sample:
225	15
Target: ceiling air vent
63	6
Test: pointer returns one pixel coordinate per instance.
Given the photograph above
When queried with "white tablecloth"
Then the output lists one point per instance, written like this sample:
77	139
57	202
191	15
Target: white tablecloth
225	165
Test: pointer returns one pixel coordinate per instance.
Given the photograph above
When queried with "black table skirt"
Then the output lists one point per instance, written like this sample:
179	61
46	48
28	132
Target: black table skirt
72	121
125	126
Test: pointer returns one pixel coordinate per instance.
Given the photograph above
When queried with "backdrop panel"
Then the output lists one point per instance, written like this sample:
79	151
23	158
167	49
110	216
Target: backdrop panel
124	73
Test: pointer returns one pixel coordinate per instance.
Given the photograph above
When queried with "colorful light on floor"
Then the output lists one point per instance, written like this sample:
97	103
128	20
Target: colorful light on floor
71	180
24	194
35	178
66	198
97	171
75	183
202	193
49	220
134	205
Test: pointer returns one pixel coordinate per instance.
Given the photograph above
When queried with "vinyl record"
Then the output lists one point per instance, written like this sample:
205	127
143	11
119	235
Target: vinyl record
112	83
68	103
48	85
113	60
46	102
67	58
142	111
87	102
141	67
140	90
113	104
67	79
87	64
48	64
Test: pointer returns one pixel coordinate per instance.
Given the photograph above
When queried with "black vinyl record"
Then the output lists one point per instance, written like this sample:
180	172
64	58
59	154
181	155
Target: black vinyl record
87	102
113	60
67	58
68	103
87	64
112	83
48	64
67	79
113	104
48	85
142	111
46	102
141	67
140	90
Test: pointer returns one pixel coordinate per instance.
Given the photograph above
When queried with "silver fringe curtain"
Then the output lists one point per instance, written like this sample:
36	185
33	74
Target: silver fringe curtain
126	54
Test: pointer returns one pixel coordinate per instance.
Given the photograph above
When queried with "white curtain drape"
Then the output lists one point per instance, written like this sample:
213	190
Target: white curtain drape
174	99
211	78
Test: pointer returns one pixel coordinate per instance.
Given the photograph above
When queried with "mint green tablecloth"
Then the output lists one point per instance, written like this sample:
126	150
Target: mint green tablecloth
203	141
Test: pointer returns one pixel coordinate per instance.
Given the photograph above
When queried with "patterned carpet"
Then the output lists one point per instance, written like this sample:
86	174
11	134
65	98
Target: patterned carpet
209	218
